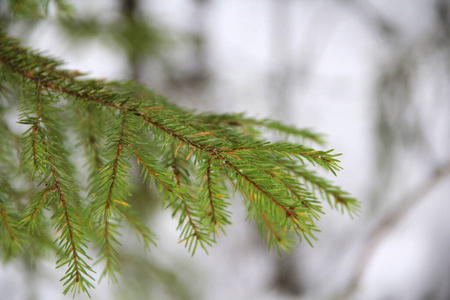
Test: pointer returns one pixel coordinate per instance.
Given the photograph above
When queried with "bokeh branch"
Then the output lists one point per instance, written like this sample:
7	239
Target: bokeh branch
389	223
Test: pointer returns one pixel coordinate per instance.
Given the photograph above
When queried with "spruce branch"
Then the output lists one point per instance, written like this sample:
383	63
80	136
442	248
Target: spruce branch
254	126
78	274
110	191
93	140
323	158
193	233
334	195
213	194
98	95
188	156
69	230
33	216
66	221
270	201
49	163
33	140
11	236
181	168
274	235
90	127
176	170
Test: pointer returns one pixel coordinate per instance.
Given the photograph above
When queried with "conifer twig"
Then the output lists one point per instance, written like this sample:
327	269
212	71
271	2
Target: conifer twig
195	152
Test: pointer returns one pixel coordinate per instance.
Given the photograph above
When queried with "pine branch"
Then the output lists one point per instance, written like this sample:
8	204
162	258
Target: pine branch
214	195
49	163
333	194
70	238
33	217
270	201
189	156
176	170
11	236
99	96
323	158
33	140
193	233
253	126
274	234
90	126
78	274
181	167
110	189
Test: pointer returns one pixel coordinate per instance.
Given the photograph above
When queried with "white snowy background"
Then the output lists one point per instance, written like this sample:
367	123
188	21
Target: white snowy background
332	54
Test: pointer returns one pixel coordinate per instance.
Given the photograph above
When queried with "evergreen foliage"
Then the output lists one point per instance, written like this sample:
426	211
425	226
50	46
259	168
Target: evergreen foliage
193	159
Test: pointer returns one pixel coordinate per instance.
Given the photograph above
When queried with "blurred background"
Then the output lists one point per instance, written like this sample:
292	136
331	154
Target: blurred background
374	76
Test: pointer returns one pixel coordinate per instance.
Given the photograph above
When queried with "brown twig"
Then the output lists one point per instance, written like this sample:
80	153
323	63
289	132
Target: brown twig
389	222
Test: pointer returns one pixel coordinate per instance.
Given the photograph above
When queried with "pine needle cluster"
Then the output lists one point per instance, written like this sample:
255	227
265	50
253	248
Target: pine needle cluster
194	160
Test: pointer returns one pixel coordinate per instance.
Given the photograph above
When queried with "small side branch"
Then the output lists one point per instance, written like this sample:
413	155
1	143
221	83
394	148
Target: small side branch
388	223
192	232
212	213
93	140
8	228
